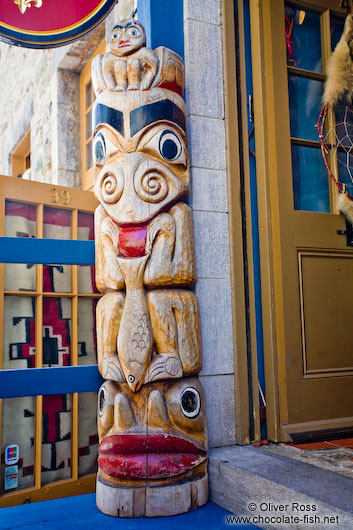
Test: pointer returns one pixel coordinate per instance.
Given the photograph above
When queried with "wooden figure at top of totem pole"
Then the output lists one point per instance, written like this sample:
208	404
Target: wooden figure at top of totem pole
151	409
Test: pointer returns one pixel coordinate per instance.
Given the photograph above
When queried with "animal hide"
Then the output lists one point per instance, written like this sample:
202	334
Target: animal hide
339	83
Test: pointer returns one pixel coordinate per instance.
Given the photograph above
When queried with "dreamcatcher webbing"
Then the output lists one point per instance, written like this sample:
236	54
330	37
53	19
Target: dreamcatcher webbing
335	128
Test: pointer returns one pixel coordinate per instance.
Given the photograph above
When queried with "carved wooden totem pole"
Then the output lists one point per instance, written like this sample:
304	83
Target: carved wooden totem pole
151	408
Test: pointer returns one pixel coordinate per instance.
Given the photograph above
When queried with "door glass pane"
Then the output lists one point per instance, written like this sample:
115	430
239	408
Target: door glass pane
87	433
56	442
337	25
310	180
305	104
19	332
87	340
88	125
18	429
20	221
86	273
303	39
56	331
57	225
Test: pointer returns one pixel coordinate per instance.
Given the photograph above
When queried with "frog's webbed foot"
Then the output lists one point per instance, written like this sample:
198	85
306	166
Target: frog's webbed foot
164	366
111	369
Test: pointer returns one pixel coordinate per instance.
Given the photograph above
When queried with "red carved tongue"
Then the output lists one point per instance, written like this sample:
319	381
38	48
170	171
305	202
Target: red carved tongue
132	242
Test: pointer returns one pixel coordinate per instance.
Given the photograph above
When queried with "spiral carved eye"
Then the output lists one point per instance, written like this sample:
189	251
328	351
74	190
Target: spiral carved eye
152	186
190	402
111	187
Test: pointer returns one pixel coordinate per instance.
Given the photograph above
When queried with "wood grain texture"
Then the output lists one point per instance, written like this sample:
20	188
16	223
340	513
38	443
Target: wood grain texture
151	409
152	502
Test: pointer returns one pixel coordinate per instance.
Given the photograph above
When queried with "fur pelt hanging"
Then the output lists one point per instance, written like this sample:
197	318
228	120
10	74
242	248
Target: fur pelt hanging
339	88
339	83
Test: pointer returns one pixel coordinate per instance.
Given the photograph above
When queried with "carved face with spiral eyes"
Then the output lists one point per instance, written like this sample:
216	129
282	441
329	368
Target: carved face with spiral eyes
140	153
127	37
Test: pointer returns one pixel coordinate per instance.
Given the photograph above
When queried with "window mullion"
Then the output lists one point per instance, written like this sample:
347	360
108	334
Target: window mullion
39	355
74	351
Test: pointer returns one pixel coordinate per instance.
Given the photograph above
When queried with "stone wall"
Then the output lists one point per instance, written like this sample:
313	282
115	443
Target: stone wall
209	200
40	91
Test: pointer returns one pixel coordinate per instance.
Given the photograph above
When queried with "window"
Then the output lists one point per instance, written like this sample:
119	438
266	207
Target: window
87	100
47	319
21	156
309	43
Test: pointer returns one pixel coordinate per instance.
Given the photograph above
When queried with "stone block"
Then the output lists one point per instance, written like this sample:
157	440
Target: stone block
211	244
204	69
241	476
205	11
207	142
216	326
219	395
209	190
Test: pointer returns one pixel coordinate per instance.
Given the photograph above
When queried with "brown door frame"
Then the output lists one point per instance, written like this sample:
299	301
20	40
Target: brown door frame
271	138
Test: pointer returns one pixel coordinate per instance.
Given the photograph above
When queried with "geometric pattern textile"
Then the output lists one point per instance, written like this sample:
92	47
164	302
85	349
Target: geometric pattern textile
19	350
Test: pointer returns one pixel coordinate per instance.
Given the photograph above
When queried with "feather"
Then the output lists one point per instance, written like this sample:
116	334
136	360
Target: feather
345	205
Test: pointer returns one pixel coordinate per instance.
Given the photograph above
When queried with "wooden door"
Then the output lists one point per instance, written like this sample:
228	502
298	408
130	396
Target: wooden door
307	269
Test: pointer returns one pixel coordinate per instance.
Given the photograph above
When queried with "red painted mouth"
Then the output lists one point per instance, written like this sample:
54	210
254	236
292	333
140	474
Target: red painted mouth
152	456
132	242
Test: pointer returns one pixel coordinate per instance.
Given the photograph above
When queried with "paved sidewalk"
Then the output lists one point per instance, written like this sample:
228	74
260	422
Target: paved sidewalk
80	513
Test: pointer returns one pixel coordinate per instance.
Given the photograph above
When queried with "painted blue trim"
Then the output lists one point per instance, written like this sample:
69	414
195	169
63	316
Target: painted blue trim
254	209
46	251
164	23
48	381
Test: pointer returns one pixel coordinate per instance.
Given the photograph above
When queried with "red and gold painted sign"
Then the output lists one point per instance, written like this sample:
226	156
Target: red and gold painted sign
49	23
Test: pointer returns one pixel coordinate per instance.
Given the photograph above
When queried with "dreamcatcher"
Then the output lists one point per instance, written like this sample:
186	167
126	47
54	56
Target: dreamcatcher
335	123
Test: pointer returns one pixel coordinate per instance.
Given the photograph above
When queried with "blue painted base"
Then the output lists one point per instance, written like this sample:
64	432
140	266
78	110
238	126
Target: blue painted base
81	513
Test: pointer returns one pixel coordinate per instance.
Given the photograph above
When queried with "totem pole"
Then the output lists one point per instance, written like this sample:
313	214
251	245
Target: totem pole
151	409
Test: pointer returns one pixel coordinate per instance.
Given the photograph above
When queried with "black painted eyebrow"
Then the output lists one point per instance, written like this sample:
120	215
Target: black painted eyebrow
104	114
128	24
161	110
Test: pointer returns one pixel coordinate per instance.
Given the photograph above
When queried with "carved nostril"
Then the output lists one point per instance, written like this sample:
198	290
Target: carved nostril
111	187
124	417
157	410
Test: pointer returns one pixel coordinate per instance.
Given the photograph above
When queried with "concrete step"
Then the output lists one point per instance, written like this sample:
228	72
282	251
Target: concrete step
279	492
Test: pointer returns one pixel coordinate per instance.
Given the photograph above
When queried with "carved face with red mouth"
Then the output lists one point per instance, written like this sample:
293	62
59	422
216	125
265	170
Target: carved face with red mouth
140	153
156	434
127	37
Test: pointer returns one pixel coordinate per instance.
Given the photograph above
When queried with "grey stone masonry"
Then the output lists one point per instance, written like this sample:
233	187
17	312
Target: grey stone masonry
40	91
267	487
204	93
